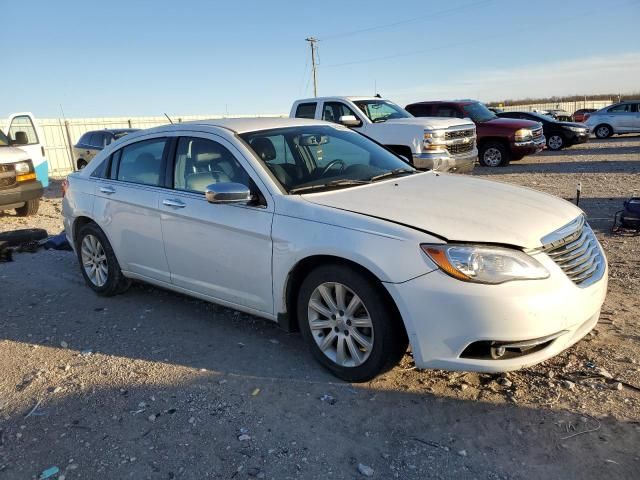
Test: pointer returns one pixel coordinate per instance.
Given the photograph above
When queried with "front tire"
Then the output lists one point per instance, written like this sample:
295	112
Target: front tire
98	262
603	131
493	154
29	208
346	322
81	164
555	142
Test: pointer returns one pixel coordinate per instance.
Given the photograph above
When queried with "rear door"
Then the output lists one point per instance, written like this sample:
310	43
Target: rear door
621	117
126	206
23	131
221	251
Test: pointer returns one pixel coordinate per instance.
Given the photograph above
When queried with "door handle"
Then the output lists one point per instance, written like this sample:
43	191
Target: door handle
108	190
173	203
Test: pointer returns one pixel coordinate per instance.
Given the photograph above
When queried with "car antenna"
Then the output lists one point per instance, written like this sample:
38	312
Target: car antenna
170	121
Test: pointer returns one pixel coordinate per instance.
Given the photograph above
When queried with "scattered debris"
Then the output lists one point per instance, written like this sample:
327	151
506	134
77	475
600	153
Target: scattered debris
462	453
33	409
329	399
365	470
568	384
48	473
244	437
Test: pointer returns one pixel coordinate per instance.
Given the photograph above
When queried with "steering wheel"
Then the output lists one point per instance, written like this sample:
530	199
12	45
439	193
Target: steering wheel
331	164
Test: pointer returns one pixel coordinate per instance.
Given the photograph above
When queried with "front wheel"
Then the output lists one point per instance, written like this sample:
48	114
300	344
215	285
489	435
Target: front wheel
29	208
603	131
348	325
98	262
555	142
493	155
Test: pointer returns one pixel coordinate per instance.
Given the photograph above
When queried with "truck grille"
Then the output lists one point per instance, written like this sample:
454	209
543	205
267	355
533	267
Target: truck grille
460	148
453	134
537	133
7	176
578	254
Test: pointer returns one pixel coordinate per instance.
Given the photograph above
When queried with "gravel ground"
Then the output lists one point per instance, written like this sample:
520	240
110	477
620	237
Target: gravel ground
156	385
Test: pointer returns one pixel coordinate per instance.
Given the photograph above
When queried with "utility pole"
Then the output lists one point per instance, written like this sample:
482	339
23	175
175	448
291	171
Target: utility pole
312	42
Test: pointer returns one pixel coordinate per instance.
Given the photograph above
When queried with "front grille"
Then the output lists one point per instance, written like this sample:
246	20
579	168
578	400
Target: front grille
537	133
7	176
578	254
453	134
460	148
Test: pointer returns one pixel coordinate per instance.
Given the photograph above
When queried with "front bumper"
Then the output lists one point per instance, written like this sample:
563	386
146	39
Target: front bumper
21	193
445	162
443	316
576	138
520	149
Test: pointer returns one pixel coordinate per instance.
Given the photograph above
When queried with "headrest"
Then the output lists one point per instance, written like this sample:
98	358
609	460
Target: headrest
204	151
264	148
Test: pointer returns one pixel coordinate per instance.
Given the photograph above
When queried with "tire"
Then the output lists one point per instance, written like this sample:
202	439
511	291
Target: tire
494	154
378	326
18	237
555	142
94	250
81	164
29	208
603	131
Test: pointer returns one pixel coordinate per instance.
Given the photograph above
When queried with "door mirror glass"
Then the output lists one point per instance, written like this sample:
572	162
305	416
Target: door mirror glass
349	121
227	193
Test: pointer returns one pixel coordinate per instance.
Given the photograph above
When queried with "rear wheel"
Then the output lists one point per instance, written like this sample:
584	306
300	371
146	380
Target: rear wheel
81	164
98	262
29	208
555	142
348	325
493	154
603	131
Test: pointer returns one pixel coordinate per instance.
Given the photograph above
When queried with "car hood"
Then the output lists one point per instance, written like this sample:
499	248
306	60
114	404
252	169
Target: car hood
430	122
12	155
457	208
573	124
510	123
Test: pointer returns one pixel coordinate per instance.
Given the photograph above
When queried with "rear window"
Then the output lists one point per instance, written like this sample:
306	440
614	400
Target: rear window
141	162
306	110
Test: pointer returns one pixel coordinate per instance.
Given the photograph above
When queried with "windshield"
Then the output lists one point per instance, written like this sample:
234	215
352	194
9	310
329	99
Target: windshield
381	110
478	112
4	141
320	157
540	116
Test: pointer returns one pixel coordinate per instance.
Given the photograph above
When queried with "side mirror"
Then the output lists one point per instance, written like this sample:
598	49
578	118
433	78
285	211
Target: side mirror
227	193
349	121
21	139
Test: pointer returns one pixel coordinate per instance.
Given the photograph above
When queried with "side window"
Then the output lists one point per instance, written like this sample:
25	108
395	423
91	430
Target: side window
84	139
623	107
332	111
108	138
22	127
201	162
113	165
447	111
141	162
94	140
102	169
306	110
418	110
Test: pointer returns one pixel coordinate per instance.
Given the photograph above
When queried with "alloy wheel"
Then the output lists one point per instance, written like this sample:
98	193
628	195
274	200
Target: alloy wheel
94	260
555	142
602	132
340	324
492	157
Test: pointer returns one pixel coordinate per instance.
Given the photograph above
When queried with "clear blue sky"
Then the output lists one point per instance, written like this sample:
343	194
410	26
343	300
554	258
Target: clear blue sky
194	57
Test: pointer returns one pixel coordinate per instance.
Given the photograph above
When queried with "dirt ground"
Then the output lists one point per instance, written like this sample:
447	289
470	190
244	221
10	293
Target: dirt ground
155	385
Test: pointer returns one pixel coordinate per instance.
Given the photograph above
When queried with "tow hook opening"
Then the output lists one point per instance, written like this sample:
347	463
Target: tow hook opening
503	350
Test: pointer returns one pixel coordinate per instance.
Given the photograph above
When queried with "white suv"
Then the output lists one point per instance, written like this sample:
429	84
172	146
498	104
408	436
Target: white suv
622	117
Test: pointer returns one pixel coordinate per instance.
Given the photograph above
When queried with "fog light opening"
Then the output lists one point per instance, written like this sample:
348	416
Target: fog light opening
497	352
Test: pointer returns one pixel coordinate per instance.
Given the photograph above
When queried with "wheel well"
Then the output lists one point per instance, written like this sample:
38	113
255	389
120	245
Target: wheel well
604	124
78	224
482	142
403	150
289	321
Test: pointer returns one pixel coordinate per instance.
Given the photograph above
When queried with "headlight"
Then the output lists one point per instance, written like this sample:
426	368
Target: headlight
578	129
22	168
433	134
484	264
524	135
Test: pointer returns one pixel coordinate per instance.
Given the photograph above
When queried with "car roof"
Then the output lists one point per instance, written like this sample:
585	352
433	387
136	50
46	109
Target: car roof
437	102
353	98
114	130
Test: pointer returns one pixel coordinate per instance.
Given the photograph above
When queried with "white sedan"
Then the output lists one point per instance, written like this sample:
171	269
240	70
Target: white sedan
321	229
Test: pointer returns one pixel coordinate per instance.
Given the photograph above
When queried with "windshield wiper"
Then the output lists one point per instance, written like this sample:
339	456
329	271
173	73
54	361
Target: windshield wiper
393	173
333	183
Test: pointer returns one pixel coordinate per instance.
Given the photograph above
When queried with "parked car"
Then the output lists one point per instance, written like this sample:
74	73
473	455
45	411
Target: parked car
623	117
23	167
559	114
500	140
558	134
317	227
426	143
580	115
94	141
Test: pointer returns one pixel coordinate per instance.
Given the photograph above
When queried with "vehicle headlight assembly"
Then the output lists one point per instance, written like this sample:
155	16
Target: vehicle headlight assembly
524	135
22	168
578	129
433	140
436	134
485	264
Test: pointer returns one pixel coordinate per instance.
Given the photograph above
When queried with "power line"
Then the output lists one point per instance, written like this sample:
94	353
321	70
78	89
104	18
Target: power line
490	37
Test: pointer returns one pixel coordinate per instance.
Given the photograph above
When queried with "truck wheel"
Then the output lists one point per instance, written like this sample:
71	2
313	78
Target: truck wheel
29	208
603	131
348	326
81	164
555	142
493	154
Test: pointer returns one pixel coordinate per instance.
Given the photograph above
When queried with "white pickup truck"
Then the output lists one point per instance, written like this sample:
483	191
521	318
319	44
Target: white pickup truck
23	166
444	144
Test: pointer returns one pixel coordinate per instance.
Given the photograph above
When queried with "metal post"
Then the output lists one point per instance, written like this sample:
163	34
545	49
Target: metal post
70	145
312	42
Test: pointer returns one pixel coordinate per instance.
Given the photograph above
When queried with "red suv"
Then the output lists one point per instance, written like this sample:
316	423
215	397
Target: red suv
500	140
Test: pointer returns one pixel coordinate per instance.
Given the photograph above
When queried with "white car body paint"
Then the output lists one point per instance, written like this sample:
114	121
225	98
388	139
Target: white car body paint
241	256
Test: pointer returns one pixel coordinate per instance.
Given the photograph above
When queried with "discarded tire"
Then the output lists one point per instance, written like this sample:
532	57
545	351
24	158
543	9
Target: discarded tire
18	237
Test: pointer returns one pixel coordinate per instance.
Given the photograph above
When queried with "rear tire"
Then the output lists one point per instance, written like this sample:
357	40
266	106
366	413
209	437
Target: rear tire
29	208
98	262
494	154
603	131
81	164
338	334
